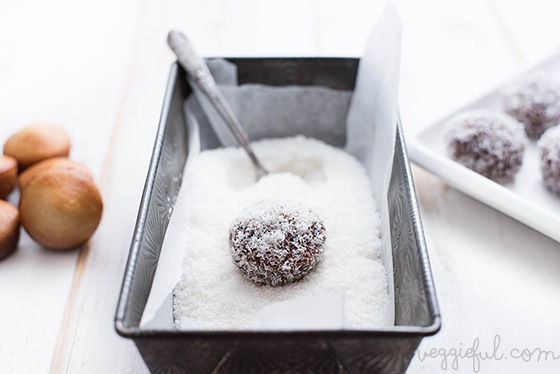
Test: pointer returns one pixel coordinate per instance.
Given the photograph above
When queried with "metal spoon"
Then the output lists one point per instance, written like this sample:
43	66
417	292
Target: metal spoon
198	71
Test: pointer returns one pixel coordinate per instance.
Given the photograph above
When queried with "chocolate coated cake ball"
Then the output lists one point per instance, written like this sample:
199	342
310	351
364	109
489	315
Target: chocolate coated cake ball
490	143
276	243
533	100
549	148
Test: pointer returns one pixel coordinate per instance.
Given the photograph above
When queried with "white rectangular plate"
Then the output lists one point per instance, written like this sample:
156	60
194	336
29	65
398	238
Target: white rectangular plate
524	199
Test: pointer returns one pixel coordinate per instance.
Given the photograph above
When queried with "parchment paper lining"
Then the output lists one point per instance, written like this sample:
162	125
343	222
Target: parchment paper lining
364	121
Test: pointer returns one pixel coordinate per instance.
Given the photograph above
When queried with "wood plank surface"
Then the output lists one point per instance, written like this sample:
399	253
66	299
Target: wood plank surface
51	71
496	279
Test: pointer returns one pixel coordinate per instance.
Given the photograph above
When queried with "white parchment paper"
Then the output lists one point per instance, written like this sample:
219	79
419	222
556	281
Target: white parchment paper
370	115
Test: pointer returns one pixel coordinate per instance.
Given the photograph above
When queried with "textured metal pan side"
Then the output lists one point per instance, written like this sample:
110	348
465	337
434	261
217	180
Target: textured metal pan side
384	350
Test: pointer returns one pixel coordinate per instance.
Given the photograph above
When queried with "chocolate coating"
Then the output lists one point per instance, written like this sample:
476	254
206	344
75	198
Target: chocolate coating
490	143
549	148
276	243
533	100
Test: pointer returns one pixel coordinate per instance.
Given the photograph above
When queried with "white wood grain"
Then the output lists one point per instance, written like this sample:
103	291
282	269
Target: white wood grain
494	276
66	71
452	51
88	341
531	26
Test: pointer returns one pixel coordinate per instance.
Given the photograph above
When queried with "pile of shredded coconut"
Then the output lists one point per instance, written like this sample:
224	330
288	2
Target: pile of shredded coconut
214	293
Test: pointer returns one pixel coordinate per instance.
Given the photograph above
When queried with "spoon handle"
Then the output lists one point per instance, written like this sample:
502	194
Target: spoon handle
199	73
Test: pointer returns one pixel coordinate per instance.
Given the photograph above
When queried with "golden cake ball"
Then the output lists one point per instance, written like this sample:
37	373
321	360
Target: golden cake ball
35	143
60	208
51	164
9	229
8	175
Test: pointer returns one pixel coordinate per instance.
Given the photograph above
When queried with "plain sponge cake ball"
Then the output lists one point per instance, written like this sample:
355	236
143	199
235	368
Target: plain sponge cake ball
8	175
50	164
9	229
35	143
60	208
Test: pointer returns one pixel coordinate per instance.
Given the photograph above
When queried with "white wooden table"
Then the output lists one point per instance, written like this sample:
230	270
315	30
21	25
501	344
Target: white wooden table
99	70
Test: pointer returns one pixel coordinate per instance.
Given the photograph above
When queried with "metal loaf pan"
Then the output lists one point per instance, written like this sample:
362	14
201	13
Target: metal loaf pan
383	350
